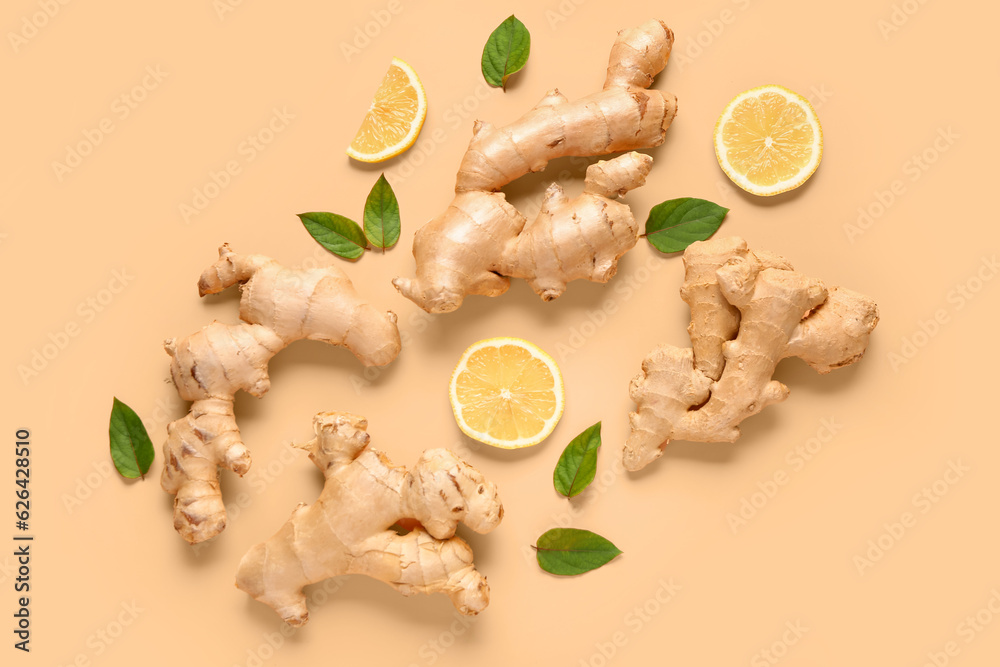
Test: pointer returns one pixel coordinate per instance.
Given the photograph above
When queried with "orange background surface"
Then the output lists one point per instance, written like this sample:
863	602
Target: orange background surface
907	98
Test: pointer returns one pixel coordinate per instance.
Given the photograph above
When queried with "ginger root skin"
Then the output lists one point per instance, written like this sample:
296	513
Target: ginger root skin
348	530
277	306
749	310
481	240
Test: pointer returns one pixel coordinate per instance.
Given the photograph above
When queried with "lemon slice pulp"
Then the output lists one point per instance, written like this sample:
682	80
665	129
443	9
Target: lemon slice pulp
394	118
507	392
768	140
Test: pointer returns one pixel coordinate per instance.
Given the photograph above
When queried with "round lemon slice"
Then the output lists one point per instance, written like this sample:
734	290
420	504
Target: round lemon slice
768	140
394	118
507	392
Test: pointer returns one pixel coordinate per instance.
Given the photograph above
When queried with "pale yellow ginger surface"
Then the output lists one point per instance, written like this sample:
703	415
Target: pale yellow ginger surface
749	310
349	529
481	240
277	306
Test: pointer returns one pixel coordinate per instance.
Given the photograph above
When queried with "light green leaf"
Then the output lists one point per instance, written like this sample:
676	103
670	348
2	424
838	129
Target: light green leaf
677	223
506	52
570	551
578	464
131	450
341	236
382	215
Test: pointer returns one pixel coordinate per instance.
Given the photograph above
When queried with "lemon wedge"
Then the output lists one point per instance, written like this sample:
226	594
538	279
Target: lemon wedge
394	118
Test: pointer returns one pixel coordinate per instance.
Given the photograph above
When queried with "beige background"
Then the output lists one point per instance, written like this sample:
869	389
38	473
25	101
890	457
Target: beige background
883	97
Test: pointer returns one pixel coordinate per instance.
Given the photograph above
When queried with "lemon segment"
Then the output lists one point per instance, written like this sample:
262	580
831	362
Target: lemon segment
507	392
394	118
768	140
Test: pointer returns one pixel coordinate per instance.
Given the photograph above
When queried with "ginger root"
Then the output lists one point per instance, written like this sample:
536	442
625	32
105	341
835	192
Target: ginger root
481	240
349	529
277	306
749	310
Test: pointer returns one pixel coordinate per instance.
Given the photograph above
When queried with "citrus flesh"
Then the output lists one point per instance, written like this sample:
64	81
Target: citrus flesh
768	140
507	392
394	118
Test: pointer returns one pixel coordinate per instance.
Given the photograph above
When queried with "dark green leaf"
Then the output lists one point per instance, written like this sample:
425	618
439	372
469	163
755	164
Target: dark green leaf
677	223
339	235
382	215
506	52
578	464
131	449
569	551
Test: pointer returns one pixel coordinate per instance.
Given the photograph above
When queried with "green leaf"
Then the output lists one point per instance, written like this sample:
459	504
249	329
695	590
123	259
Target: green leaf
506	52
569	551
382	215
131	449
339	235
578	464
677	223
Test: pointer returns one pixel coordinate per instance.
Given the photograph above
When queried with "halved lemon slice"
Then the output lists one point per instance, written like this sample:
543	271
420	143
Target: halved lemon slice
768	140
507	392
394	118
